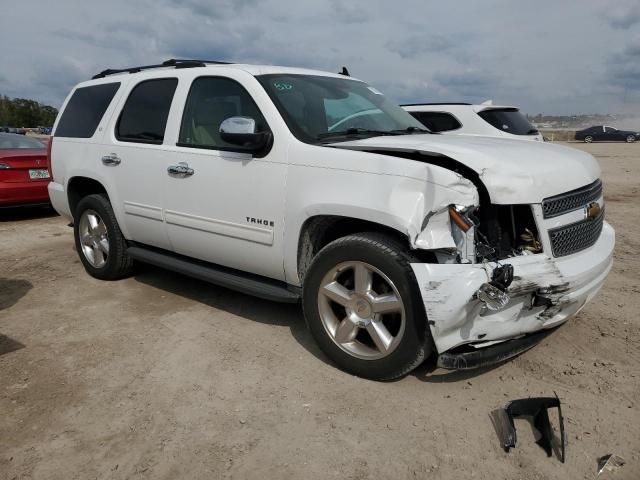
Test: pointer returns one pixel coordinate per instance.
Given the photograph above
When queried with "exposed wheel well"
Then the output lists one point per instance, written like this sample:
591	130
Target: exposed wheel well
80	187
321	230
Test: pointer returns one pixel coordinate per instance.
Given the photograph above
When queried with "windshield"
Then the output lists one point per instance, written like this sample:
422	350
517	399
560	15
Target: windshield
509	120
321	109
11	141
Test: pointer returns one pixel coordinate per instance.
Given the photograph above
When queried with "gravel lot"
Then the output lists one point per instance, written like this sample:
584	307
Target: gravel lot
161	376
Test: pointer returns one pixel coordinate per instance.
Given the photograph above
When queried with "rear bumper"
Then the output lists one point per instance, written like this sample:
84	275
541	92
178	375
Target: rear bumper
544	294
23	193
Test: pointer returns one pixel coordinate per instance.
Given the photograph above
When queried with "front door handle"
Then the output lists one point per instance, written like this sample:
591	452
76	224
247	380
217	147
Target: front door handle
111	160
180	170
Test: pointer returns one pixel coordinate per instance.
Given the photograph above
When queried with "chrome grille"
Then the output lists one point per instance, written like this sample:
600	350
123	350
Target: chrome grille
576	236
570	201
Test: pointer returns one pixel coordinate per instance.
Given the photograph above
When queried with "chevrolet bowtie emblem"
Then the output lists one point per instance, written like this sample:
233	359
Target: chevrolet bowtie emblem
592	211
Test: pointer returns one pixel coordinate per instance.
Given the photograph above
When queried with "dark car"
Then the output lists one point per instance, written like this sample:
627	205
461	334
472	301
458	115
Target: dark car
608	134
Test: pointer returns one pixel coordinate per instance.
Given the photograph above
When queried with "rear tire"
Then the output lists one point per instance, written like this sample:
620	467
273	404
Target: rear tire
631	139
588	139
363	306
100	244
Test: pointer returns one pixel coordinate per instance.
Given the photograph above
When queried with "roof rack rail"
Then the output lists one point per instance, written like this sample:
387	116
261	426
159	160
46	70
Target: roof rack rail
173	62
438	103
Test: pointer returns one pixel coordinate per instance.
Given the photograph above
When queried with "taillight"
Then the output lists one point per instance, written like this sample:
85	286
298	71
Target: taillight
49	157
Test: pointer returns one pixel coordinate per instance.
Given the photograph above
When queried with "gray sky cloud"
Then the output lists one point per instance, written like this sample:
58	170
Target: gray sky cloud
623	13
544	56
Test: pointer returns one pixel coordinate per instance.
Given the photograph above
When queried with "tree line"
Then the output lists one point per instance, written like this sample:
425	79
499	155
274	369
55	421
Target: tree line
22	112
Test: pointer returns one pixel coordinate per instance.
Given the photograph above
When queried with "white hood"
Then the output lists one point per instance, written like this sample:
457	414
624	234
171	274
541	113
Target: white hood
512	171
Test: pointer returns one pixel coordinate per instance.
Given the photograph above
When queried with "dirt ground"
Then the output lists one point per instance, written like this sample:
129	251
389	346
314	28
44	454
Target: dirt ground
162	377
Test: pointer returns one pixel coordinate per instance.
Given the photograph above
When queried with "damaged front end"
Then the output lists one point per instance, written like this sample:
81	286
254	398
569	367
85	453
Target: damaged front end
494	289
504	253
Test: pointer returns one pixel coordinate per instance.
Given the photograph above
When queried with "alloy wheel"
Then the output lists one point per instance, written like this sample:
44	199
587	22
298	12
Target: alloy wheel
361	310
94	240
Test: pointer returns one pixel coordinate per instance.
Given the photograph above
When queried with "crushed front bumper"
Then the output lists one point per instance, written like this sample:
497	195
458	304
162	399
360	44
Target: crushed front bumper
544	294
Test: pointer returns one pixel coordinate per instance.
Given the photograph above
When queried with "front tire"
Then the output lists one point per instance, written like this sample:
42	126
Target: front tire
588	139
631	139
363	307
100	244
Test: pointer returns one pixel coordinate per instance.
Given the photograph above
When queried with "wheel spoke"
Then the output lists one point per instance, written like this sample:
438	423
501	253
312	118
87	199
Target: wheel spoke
337	293
346	331
86	240
380	335
103	245
98	256
93	222
101	228
386	303
362	278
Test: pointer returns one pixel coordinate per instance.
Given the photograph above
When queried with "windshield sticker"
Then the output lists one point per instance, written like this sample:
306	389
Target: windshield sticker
375	90
282	86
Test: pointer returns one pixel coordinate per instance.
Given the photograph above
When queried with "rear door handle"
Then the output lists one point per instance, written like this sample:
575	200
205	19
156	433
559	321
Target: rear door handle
181	170
111	160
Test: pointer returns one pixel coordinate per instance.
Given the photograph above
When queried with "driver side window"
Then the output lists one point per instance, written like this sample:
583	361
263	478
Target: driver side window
212	100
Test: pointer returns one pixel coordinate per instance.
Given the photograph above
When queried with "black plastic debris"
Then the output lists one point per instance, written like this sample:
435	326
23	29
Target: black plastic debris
502	276
610	463
535	408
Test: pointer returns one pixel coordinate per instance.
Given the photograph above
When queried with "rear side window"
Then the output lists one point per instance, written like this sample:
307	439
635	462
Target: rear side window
437	121
509	120
85	110
144	116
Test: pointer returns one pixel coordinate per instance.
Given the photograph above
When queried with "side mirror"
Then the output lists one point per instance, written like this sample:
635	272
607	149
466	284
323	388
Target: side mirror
241	131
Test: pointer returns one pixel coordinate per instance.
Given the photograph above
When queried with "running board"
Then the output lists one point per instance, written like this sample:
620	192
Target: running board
224	277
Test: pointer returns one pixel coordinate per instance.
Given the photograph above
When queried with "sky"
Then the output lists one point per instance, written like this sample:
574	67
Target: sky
554	57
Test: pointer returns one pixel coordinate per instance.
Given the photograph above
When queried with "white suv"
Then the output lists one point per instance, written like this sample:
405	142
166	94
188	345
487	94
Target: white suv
466	119
400	244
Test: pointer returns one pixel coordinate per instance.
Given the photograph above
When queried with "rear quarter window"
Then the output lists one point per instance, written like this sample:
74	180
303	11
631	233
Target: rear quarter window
437	121
508	120
85	109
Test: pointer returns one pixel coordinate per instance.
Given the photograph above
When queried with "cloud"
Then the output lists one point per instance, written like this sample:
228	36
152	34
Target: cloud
470	84
414	46
351	12
623	14
624	69
517	54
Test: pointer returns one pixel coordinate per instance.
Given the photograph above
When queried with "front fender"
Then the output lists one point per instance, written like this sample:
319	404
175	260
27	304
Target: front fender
410	201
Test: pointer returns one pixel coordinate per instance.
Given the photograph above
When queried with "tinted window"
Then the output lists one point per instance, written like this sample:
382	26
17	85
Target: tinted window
437	121
144	116
211	101
509	120
85	110
10	141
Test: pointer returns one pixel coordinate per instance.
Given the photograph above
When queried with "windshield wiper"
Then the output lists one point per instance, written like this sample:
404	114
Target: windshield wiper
411	130
533	131
358	131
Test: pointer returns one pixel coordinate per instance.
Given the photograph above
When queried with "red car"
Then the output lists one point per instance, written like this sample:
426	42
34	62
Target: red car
24	171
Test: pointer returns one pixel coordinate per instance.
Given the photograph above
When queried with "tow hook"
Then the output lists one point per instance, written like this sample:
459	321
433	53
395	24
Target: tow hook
494	293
